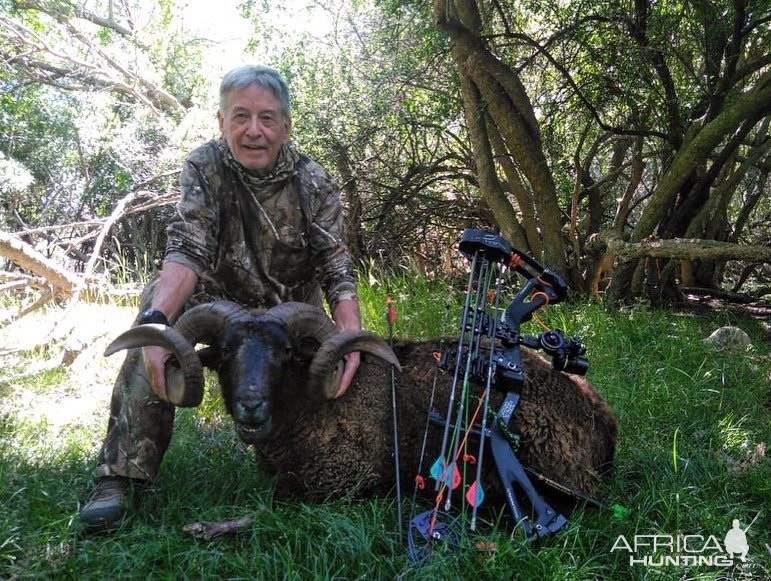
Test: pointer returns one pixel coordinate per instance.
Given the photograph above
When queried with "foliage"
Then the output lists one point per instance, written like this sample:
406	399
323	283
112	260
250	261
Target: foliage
651	365
91	95
100	97
673	77
374	102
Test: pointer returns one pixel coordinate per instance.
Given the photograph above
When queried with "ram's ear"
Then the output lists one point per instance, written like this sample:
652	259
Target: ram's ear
210	357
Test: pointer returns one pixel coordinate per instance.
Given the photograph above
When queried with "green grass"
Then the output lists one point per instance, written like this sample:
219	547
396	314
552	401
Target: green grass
689	416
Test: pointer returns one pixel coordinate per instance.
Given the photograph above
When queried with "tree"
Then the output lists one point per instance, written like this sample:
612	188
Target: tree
374	103
91	93
663	127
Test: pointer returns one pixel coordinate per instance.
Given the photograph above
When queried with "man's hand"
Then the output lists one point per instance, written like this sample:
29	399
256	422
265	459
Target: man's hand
175	286
155	365
348	318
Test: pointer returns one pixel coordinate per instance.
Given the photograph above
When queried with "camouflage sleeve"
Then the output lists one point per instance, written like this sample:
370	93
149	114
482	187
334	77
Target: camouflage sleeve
194	229
333	261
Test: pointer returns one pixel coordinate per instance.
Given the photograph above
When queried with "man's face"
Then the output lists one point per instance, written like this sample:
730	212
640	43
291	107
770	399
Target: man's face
254	127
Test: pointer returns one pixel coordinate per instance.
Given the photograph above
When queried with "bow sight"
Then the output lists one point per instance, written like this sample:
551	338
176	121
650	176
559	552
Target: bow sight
487	354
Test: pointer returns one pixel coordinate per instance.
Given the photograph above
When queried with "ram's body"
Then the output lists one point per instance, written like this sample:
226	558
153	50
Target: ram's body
567	430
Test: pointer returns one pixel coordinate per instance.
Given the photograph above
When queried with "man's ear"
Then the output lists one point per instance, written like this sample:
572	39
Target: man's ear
221	121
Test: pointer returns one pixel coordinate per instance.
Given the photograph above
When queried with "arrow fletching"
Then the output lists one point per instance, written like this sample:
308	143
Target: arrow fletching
475	495
437	470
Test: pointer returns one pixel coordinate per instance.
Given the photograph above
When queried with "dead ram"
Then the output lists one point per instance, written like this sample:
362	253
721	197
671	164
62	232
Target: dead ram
277	369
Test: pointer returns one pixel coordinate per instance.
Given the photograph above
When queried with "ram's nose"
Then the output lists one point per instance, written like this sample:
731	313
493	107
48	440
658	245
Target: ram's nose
251	410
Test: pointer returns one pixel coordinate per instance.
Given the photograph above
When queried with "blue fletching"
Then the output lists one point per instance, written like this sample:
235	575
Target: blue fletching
437	469
453	476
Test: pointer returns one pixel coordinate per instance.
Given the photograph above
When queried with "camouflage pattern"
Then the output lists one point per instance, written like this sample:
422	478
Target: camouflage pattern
139	430
257	247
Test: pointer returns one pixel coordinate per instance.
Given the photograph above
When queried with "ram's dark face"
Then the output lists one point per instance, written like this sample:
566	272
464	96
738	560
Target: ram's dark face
254	359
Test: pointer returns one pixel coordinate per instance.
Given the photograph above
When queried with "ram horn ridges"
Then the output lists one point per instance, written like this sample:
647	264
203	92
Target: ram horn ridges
203	323
184	383
308	326
326	370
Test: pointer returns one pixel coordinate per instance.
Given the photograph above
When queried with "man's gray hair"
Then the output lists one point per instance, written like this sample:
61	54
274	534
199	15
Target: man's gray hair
257	76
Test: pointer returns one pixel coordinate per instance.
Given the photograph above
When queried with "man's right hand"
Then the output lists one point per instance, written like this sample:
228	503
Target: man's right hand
174	288
155	366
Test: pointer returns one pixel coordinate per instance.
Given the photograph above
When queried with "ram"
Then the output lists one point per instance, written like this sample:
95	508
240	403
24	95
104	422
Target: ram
279	369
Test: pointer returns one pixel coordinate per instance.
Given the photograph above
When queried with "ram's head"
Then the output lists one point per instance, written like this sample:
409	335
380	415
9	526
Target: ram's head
251	353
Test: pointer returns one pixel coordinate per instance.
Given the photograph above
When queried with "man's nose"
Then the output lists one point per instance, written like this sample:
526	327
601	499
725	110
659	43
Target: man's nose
254	128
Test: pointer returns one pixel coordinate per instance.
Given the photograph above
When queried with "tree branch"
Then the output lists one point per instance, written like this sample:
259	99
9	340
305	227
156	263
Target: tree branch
30	259
679	249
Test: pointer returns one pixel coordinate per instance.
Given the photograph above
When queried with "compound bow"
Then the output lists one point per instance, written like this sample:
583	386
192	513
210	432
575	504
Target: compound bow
487	354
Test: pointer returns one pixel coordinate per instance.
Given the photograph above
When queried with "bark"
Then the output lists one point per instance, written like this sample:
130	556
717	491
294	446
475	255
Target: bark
751	199
209	530
638	26
683	249
489	184
638	166
695	152
518	190
525	146
697	146
498	88
695	193
712	221
28	258
474	111
350	190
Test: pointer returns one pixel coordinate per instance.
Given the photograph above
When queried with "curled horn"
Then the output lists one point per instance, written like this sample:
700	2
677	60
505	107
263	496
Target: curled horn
303	320
204	323
305	323
184	377
308	326
326	369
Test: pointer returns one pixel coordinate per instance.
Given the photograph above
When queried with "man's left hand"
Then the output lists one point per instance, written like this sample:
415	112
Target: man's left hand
348	318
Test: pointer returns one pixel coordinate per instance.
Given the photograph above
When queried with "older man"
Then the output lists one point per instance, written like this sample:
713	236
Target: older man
258	224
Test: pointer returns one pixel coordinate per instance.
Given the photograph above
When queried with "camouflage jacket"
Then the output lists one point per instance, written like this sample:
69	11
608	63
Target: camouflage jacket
260	249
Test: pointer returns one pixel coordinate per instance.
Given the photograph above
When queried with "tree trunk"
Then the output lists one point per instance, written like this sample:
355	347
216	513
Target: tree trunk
488	84
693	153
518	190
28	258
353	215
683	249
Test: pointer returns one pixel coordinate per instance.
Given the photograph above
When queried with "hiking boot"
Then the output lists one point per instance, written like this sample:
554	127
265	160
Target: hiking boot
108	503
